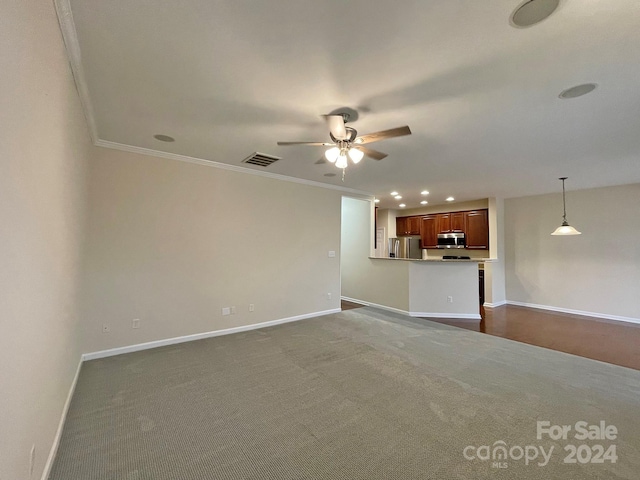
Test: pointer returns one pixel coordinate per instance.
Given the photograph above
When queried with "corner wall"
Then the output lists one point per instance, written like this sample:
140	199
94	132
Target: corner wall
172	243
597	272
43	160
375	281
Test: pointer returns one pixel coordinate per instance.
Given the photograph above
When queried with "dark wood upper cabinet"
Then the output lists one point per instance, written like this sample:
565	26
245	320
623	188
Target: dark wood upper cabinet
474	223
414	225
477	229
444	222
408	226
457	222
402	226
429	231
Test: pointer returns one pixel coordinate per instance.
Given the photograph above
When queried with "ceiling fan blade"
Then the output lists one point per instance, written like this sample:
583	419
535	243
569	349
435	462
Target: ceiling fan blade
313	144
336	126
376	155
377	136
321	160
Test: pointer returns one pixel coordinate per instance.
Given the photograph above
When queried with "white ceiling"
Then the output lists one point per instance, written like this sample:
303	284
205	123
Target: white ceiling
227	78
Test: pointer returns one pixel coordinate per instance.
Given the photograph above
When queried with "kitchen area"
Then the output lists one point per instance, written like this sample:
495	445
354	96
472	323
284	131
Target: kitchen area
426	262
445	235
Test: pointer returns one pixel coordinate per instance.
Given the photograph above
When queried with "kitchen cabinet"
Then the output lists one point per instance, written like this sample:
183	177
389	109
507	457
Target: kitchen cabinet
444	222
429	231
474	223
457	221
402	226
450	222
408	226
477	229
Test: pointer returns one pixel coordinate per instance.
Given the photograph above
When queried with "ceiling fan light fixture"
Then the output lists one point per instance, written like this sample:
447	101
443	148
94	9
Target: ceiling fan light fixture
355	155
341	162
332	154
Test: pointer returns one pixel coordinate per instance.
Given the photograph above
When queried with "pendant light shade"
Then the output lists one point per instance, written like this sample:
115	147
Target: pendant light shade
355	155
341	162
565	228
332	154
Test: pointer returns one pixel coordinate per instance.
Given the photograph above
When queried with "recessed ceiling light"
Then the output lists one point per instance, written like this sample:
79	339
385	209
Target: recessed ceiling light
402	205
578	90
377	200
423	202
398	197
450	199
329	174
424	192
394	193
532	12
164	138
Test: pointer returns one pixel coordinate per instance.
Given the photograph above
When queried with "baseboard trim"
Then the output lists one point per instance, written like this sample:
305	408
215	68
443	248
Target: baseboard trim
355	300
575	312
63	418
494	305
376	305
199	336
461	316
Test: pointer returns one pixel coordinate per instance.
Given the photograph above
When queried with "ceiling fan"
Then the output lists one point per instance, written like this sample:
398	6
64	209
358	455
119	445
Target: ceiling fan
346	142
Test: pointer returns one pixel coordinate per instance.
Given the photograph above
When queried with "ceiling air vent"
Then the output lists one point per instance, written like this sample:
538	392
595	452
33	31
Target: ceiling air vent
261	159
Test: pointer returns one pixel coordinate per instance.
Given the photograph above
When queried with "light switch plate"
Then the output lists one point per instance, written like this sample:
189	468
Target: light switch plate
332	253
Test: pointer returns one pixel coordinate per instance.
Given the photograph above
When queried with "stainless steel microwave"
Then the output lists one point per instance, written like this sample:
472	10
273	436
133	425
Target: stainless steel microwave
451	240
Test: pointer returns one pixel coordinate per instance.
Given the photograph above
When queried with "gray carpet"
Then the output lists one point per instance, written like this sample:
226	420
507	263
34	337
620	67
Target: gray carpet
363	394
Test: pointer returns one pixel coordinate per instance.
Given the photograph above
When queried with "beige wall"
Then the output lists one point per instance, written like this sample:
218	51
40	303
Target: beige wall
43	155
494	271
449	207
172	243
596	272
375	281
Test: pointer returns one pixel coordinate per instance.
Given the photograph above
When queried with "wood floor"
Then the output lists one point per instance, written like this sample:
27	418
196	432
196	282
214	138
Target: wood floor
599	339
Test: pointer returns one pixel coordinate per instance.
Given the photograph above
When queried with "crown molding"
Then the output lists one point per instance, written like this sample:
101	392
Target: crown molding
70	39
72	46
226	166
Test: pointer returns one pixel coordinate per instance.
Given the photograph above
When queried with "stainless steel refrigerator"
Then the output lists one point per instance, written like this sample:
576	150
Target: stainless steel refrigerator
405	247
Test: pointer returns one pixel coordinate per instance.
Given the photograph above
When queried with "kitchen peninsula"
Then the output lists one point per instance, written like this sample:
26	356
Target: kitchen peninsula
432	287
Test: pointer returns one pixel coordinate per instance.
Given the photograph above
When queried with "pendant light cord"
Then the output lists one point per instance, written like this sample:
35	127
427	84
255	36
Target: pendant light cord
564	203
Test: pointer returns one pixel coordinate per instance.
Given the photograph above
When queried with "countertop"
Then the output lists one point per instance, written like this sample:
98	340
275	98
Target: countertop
440	260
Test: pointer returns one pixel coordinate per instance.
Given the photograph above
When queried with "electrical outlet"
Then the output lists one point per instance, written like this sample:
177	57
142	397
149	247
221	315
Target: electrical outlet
449	299
135	323
226	311
328	296
106	328
32	460
252	307
332	253
233	310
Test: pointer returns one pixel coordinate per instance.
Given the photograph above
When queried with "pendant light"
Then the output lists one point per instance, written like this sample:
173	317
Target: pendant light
565	228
